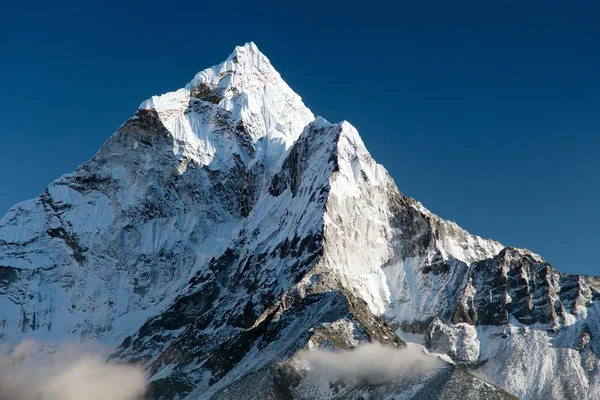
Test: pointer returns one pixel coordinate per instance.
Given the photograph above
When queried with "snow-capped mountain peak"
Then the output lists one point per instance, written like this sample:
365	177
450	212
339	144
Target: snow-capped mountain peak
245	93
224	229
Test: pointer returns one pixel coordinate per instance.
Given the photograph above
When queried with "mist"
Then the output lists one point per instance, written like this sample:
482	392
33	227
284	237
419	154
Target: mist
36	371
371	361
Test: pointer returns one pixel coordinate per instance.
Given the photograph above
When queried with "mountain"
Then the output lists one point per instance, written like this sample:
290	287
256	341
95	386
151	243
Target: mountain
224	232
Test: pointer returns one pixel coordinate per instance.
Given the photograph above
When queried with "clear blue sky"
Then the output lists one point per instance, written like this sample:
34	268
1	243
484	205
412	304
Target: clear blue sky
487	112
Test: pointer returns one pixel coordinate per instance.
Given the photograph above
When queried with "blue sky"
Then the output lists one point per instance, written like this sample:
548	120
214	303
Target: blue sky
486	112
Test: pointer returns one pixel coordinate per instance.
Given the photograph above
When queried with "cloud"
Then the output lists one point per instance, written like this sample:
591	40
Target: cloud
371	361
34	371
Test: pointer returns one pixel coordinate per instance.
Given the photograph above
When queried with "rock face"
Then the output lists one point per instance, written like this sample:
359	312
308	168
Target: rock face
223	230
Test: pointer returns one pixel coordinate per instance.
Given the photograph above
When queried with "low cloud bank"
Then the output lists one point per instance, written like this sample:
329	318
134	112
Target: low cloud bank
371	361
32	371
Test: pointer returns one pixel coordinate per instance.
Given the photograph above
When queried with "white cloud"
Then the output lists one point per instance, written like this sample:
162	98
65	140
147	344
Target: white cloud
372	361
34	371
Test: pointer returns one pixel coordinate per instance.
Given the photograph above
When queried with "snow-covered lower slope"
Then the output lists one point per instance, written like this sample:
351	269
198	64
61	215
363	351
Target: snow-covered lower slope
224	230
524	326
